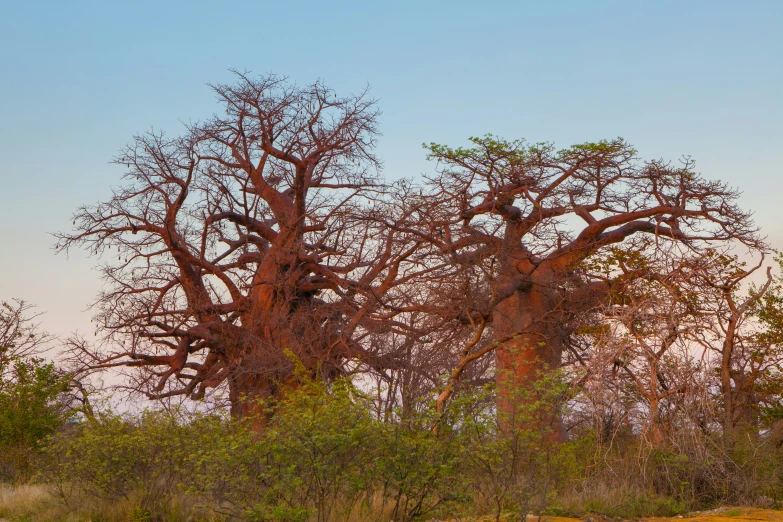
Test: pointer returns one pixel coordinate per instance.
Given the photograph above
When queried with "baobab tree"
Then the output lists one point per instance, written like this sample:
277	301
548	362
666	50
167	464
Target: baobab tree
251	241
537	216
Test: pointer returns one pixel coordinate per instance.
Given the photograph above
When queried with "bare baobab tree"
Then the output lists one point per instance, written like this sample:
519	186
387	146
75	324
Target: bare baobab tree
538	216
252	240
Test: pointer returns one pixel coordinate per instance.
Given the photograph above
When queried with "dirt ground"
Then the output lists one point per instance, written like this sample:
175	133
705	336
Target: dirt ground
724	514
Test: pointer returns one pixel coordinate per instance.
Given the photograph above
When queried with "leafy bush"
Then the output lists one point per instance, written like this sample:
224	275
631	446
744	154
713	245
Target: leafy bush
418	470
29	390
29	413
512	458
113	458
322	456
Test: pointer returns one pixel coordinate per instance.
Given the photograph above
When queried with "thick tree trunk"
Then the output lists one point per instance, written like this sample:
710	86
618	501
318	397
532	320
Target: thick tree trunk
247	393
535	349
284	332
254	382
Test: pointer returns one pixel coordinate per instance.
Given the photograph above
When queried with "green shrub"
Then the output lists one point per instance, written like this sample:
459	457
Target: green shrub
512	458
321	456
418	471
29	413
113	457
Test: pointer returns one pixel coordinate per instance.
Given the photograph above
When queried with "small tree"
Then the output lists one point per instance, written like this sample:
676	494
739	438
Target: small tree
30	390
20	335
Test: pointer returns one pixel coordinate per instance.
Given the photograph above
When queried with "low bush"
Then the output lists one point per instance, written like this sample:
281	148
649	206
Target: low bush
321	456
29	412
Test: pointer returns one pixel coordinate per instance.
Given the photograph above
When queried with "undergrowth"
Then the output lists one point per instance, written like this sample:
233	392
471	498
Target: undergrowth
322	456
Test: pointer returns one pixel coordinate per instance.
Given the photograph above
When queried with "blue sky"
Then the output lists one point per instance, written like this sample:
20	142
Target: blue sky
78	79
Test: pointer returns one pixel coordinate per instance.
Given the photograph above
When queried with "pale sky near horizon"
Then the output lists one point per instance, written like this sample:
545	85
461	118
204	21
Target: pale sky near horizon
78	79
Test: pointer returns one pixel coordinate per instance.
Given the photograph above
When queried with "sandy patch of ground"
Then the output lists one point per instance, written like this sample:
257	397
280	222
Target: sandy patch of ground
724	514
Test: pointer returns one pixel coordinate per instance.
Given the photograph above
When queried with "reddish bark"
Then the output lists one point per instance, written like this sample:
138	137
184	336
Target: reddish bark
254	240
536	217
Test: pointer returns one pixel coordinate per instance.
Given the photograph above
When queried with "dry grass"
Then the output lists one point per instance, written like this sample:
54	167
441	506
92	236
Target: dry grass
39	503
724	514
28	503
